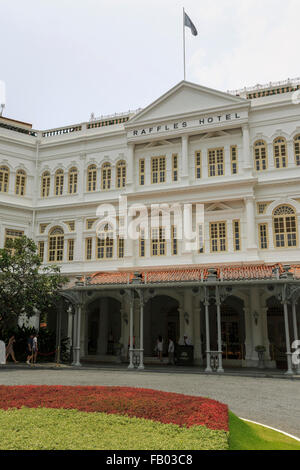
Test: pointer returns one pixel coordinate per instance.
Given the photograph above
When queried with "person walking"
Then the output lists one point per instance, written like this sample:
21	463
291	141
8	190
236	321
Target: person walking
34	348
29	349
159	348
171	350
10	349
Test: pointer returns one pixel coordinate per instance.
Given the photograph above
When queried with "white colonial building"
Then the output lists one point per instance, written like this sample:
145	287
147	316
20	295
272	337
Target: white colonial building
236	153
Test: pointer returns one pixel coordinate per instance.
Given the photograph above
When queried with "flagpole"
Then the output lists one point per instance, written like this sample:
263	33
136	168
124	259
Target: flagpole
184	70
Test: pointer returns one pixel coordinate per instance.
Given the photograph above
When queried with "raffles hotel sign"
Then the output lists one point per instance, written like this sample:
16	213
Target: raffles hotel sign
195	124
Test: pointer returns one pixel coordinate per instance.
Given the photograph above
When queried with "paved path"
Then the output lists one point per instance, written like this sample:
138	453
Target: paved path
274	402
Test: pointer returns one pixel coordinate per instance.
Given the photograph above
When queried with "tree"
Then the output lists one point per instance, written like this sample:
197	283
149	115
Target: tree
25	285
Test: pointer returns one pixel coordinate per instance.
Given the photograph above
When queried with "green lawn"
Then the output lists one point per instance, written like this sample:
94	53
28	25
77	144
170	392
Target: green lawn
248	436
54	429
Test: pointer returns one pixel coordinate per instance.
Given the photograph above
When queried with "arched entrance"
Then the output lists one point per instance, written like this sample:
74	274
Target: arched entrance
161	317
103	326
276	332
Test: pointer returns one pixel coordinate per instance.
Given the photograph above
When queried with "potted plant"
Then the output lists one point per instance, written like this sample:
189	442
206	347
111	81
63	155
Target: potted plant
261	353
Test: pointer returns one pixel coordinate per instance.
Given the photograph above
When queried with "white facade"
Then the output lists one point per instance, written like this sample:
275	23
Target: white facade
186	121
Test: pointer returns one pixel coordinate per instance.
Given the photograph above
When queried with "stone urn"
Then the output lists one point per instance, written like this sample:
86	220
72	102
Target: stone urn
261	356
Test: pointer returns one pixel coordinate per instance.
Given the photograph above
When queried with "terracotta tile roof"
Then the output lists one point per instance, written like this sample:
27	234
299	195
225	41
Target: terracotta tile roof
118	277
246	272
226	273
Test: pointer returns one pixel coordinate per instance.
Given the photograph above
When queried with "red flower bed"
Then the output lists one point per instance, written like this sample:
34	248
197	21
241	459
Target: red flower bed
141	403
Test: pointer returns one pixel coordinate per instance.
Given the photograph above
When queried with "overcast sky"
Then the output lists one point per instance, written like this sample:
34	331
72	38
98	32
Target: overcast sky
63	59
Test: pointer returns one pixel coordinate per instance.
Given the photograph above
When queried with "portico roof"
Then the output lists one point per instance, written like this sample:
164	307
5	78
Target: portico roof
222	273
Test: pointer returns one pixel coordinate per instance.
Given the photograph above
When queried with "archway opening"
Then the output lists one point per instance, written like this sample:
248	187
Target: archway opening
103	327
233	330
276	332
161	319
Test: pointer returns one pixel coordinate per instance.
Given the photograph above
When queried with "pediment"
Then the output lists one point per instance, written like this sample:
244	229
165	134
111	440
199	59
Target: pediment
220	206
186	99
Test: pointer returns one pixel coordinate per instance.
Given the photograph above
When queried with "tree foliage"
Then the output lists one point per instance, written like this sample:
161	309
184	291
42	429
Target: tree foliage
25	285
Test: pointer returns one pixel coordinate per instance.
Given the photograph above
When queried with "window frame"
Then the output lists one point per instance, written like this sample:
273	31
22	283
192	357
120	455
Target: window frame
4	179
216	165
59	179
45	184
21	179
198	164
159	172
73	180
259	157
121	174
284	223
297	149
280	153
218	238
56	242
91	178
106	172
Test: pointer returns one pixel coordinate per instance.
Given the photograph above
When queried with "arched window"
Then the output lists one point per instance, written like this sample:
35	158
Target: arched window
92	178
121	174
20	182
4	179
285	227
280	153
59	182
45	186
297	149
106	176
73	178
56	244
260	155
105	243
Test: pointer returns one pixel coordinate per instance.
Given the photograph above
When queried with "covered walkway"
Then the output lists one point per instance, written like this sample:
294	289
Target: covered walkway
226	312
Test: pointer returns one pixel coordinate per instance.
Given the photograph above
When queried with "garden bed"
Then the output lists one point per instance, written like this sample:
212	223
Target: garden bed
118	418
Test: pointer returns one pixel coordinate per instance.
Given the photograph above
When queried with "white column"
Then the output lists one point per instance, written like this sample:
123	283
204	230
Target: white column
220	361
287	339
246	148
131	366
265	335
130	183
188	309
255	313
141	364
295	327
185	157
86	331
251	223
77	335
81	176
291	154
270	156
206	304
197	335
227	166
79	254
248	334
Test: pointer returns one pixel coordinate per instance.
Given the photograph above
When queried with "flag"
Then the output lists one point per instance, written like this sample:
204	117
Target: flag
188	22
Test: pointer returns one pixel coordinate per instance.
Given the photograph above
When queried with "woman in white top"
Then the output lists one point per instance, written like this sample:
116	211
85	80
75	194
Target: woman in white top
159	347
